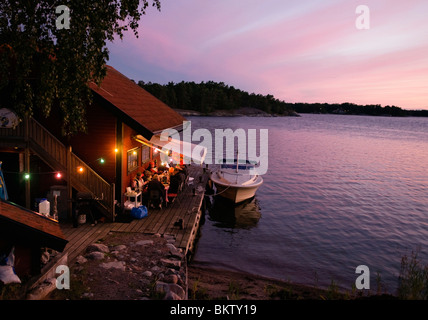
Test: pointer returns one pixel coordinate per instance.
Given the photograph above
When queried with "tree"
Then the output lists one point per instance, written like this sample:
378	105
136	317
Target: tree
48	61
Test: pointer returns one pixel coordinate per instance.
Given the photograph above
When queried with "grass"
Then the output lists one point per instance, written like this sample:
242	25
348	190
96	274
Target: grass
413	278
197	293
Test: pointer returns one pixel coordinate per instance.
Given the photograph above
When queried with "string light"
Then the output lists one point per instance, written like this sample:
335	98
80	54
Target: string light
57	174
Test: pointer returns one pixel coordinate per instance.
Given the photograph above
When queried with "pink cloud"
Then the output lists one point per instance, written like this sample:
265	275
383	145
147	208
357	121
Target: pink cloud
297	51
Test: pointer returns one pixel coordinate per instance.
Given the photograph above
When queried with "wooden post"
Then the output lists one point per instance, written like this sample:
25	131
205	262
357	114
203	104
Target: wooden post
27	162
113	213
69	187
119	155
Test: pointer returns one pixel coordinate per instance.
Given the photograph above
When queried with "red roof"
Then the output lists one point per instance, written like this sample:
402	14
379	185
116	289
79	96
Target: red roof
137	106
23	225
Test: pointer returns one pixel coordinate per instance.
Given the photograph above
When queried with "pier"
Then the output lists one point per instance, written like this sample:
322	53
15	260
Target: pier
188	206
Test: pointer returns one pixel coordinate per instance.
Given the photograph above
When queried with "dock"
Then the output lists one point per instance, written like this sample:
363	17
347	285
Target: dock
188	206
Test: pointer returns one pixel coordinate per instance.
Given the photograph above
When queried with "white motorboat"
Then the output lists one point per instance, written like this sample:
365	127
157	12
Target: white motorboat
235	181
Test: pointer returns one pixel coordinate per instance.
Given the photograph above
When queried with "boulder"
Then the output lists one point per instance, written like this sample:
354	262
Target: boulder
147	273
42	290
171	263
97	247
113	265
119	247
81	260
96	255
144	242
179	291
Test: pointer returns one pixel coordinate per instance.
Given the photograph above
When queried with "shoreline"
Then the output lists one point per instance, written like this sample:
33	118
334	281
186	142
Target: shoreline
210	283
142	275
242	112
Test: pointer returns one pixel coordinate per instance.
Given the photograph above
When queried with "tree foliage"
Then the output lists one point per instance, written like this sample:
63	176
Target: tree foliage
42	66
210	96
207	97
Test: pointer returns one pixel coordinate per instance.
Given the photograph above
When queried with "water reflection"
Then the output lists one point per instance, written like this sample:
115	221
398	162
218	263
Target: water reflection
228	215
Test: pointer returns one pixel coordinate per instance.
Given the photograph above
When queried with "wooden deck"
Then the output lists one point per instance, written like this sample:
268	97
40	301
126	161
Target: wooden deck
186	207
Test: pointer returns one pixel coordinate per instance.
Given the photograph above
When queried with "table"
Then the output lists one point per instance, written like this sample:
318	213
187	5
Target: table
135	195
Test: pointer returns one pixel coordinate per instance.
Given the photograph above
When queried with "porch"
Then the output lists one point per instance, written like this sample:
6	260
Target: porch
188	206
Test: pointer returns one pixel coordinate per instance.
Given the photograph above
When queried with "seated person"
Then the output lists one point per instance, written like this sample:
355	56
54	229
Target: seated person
162	169
152	167
181	173
155	184
174	182
147	176
138	182
183	169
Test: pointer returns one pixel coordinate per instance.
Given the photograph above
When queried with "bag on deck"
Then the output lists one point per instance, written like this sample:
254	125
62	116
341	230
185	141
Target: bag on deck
139	213
7	270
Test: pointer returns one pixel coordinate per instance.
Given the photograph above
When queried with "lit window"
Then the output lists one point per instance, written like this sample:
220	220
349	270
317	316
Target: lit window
133	159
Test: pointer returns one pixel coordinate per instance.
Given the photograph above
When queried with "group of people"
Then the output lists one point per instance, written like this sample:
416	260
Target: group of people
154	180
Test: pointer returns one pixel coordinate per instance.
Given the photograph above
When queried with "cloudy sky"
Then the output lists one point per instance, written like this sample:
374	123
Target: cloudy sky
298	51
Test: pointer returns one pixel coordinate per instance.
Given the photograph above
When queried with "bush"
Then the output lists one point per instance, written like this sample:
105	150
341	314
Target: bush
413	279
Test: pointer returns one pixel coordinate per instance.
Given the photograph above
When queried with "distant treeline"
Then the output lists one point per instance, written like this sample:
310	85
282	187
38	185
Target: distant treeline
351	108
207	97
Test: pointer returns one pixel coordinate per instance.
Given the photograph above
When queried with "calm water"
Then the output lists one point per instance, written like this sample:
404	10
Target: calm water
341	191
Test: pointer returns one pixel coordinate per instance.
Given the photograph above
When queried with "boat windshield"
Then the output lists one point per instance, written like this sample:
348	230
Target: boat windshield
242	164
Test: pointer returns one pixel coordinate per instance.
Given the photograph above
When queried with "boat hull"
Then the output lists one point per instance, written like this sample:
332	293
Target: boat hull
236	194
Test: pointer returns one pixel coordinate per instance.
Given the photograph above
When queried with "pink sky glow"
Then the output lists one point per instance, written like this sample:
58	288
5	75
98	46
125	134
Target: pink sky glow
298	51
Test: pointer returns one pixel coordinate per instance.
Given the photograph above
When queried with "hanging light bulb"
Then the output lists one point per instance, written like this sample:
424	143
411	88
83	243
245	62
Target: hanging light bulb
80	169
58	175
102	160
26	176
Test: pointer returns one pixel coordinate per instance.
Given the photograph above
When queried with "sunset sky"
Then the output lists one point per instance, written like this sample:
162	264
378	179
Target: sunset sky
298	51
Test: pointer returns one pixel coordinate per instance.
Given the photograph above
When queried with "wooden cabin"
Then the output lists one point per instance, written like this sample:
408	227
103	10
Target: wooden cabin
101	162
27	232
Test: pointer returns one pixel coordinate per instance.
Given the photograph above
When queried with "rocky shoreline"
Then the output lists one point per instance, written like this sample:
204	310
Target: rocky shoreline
135	266
128	266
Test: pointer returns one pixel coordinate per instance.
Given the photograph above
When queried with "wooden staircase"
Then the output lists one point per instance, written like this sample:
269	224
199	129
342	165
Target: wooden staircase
37	139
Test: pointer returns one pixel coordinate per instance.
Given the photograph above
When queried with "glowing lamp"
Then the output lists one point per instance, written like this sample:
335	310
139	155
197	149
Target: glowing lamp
58	175
26	176
80	169
102	160
116	150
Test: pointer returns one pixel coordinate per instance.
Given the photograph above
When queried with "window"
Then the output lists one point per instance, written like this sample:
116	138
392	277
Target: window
133	159
145	154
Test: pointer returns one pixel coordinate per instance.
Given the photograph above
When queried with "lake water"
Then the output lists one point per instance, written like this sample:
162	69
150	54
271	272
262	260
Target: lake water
340	191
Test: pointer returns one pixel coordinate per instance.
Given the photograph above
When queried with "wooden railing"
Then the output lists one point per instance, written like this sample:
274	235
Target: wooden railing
82	174
17	132
55	153
48	142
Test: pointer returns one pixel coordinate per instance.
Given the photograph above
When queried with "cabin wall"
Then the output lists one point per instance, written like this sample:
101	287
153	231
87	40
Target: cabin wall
144	156
99	142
